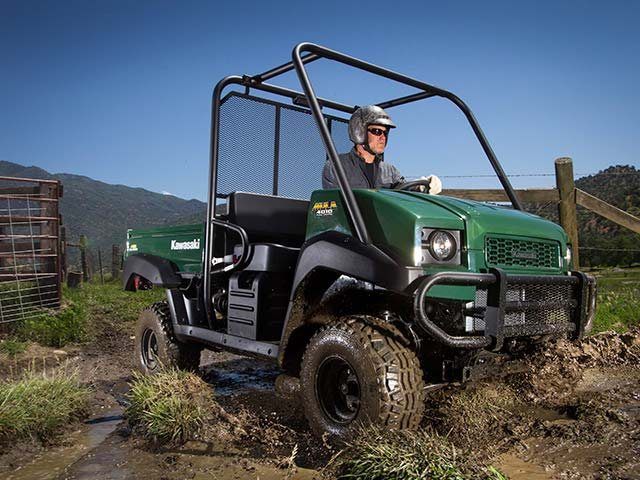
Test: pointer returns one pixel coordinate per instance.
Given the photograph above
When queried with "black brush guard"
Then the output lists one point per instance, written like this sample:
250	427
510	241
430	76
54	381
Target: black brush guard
577	294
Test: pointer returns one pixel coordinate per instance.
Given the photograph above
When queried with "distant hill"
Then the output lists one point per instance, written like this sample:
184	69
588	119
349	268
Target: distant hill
605	242
103	212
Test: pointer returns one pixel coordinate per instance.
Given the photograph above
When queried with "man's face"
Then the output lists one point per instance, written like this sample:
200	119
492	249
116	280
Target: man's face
377	138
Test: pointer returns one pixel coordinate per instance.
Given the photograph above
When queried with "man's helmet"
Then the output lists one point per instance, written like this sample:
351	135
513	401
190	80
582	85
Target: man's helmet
362	118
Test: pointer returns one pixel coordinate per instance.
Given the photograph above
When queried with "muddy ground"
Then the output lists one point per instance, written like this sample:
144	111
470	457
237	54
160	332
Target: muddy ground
573	412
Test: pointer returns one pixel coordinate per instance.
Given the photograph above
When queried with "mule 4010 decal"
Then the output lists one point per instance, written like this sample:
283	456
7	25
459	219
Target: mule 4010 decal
324	209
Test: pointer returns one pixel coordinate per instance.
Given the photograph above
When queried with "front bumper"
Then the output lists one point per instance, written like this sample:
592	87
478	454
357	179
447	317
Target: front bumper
547	305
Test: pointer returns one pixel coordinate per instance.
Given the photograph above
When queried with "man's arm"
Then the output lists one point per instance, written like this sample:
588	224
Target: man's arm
396	177
328	180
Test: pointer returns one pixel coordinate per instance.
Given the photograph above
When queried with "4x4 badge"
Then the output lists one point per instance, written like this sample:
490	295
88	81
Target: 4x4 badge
524	255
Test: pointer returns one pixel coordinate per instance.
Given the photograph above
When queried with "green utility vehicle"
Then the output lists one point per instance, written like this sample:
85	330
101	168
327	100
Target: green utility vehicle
366	298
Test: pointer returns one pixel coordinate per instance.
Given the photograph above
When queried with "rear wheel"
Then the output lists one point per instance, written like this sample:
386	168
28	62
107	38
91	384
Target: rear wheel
358	370
156	346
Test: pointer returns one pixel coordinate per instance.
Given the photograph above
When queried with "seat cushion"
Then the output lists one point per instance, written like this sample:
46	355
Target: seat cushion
269	219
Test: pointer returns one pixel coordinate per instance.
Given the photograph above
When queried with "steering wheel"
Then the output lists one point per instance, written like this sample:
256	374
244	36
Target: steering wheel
413	184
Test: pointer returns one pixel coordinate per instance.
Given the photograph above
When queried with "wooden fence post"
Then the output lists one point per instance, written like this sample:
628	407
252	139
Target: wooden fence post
63	250
115	262
100	266
567	205
83	258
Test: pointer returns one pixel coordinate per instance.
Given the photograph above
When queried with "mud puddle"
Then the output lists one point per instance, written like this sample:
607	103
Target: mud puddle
578	423
121	458
234	375
79	444
514	468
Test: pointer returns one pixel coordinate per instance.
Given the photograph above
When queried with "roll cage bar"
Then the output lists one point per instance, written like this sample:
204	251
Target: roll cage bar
303	54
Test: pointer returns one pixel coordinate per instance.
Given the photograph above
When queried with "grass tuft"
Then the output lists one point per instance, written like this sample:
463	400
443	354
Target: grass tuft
379	453
473	414
168	407
39	404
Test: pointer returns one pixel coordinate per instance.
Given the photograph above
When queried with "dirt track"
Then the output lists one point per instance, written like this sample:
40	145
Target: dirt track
573	413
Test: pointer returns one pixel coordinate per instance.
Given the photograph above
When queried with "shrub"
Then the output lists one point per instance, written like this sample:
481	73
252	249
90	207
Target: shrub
168	407
378	454
38	405
55	329
11	347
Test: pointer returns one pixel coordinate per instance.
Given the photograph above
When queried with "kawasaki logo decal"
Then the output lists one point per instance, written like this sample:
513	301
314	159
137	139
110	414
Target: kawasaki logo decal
190	245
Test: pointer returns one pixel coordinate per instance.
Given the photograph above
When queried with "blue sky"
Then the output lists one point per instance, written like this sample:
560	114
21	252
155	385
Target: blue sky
120	91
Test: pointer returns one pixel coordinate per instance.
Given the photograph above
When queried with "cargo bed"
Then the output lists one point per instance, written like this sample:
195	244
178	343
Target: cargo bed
181	244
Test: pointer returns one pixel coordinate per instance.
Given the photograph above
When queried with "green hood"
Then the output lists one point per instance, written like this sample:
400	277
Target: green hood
394	220
481	219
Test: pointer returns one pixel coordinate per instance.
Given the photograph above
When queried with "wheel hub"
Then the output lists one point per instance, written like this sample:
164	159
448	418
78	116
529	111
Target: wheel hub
149	350
338	390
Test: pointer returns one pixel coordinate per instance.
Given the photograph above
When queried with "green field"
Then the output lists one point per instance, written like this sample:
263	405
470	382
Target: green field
618	299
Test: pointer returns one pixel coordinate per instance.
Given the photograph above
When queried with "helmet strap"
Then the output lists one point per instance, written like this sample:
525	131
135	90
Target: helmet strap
367	148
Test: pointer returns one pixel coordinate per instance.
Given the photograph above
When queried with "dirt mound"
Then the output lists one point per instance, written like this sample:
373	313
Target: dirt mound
573	411
555	370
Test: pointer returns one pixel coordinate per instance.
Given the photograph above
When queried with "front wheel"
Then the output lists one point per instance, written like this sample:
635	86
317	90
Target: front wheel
156	345
359	370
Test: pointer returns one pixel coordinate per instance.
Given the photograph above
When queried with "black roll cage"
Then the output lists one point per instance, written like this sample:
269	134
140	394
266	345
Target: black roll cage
303	54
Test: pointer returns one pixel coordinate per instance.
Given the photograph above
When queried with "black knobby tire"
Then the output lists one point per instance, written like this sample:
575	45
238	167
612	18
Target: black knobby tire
156	346
377	377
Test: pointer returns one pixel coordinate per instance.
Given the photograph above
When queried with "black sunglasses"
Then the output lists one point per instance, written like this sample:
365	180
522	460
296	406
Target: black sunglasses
376	132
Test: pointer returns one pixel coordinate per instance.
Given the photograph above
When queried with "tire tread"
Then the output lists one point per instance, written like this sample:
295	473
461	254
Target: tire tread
402	406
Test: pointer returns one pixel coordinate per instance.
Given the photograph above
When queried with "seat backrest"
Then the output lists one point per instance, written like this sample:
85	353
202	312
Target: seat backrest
267	218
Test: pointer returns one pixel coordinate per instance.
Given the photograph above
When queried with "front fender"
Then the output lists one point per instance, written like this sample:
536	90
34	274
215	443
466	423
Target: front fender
327	256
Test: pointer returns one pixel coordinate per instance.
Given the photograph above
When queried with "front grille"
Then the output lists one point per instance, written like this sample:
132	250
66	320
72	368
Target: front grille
515	253
528	305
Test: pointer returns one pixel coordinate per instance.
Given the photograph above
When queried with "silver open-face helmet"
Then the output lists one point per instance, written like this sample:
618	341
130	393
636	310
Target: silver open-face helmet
362	118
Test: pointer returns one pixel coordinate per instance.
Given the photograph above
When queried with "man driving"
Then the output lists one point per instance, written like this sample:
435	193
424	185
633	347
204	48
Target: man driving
364	164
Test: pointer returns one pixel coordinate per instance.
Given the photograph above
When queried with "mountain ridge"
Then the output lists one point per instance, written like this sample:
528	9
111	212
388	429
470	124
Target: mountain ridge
103	211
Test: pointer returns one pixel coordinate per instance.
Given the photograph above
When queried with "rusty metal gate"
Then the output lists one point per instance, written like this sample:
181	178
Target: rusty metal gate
30	254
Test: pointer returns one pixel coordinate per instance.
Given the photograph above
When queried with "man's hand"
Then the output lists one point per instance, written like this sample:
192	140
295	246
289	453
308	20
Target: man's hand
435	185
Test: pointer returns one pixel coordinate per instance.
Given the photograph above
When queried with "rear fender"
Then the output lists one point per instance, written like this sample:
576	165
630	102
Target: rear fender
157	270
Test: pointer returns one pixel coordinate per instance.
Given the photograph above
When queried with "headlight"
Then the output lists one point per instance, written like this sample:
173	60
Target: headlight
567	257
442	245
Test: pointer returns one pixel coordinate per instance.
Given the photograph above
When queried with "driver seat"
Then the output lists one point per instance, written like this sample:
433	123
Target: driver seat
269	219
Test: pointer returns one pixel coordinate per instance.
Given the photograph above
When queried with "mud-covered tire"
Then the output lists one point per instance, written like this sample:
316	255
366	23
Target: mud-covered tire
367	358
156	346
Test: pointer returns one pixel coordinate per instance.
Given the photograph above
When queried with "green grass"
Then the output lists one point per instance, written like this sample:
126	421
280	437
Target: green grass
56	328
618	306
12	347
82	310
379	453
38	405
168	407
112	301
